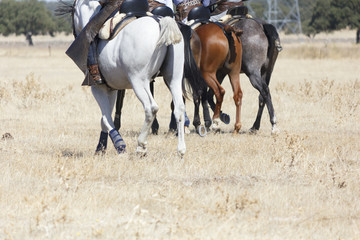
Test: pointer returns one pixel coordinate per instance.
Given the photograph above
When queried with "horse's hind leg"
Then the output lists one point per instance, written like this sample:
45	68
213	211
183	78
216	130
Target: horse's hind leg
155	123
206	113
257	122
119	105
264	98
102	145
235	83
219	93
196	121
106	100
143	93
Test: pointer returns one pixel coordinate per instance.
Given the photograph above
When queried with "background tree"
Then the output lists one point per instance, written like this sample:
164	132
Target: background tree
30	17
329	15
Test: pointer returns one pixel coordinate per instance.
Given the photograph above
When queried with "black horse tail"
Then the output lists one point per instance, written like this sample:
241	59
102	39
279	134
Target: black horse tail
65	8
273	49
192	74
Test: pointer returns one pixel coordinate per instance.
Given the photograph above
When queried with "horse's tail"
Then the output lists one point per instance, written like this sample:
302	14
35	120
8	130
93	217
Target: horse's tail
65	8
191	71
273	51
169	32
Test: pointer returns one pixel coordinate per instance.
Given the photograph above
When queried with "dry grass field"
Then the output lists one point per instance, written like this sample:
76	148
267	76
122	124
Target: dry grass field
302	183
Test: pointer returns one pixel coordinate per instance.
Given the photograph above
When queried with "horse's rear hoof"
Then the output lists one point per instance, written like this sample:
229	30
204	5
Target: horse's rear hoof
141	151
120	150
100	152
225	118
117	140
253	130
201	130
215	125
181	153
275	130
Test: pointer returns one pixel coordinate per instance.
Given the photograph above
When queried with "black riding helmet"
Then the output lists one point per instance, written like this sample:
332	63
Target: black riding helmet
199	13
134	7
164	11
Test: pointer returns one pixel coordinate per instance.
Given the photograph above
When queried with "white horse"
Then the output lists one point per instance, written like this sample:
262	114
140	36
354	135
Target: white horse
129	61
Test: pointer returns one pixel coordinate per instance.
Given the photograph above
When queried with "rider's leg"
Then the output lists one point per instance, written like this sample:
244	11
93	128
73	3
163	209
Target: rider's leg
93	63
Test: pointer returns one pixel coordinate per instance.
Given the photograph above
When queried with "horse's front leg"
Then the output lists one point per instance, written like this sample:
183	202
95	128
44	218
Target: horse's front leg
106	100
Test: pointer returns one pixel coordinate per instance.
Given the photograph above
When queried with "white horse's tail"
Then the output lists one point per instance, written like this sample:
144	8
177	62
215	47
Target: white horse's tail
169	32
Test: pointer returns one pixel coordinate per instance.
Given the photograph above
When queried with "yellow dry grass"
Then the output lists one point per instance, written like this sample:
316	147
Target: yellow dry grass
300	184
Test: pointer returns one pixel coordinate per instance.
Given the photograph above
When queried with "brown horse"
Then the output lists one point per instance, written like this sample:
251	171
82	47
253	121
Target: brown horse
221	54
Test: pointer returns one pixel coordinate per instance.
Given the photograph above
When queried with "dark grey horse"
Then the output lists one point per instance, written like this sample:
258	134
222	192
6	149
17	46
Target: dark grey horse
261	45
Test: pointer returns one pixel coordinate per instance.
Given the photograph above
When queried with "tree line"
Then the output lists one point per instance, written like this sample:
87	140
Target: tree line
36	17
31	17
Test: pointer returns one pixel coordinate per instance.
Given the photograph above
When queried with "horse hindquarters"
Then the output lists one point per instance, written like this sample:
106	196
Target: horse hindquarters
259	56
221	56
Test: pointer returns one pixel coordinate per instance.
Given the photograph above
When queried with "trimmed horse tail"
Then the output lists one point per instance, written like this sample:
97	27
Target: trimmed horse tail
169	32
192	72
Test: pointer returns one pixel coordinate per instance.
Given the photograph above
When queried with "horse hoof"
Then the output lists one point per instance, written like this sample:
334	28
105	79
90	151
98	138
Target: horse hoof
186	130
120	150
181	153
275	130
215	126
253	131
225	118
201	130
141	151
100	152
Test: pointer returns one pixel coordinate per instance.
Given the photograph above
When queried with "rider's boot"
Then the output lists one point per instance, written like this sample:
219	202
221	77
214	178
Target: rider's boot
93	66
95	73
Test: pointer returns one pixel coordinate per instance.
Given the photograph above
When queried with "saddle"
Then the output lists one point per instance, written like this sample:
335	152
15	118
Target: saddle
201	15
235	14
